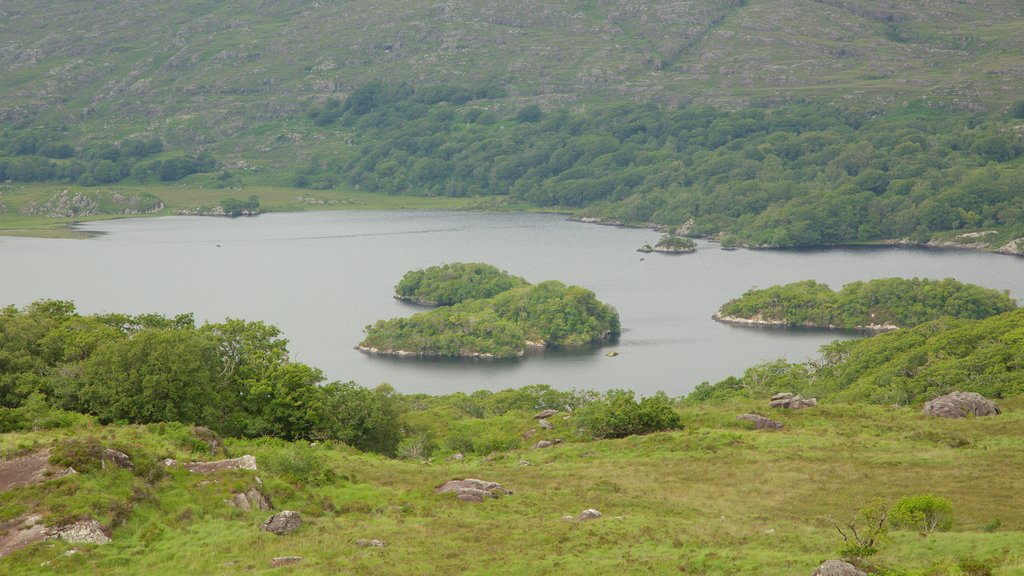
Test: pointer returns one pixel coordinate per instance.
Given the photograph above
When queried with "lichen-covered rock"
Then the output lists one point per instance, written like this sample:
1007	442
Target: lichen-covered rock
284	522
251	499
760	422
86	531
588	514
119	459
960	404
246	462
837	568
284	561
473	490
364	543
545	424
545	414
787	400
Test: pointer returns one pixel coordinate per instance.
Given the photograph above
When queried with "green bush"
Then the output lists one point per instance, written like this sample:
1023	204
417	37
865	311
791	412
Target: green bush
618	415
922	512
296	462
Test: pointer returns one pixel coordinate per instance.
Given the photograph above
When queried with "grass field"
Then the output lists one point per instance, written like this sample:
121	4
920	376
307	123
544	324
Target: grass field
713	498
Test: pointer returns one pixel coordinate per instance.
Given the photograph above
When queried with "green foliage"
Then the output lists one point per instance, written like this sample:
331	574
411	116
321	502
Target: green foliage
360	417
865	532
891	301
83	454
456	282
924	513
908	366
617	415
676	243
296	462
234	377
799	175
548	313
234	207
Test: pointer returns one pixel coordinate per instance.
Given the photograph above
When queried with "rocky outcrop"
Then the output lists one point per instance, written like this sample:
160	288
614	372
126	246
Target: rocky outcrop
21	532
251	499
760	422
409	353
960	404
285	561
86	531
545	424
787	400
29	469
760	319
837	568
209	437
546	443
588	514
119	459
284	522
66	204
545	414
473	490
246	462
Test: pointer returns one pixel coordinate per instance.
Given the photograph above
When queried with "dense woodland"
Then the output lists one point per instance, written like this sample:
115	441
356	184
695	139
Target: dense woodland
907	366
545	314
455	282
889	302
29	154
796	175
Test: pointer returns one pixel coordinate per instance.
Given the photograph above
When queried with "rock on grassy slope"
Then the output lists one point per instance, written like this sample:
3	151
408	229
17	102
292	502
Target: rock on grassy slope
714	498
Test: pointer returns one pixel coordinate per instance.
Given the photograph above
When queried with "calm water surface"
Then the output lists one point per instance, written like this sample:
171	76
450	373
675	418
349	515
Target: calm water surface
322	276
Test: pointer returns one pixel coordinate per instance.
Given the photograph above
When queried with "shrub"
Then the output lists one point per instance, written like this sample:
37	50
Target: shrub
922	512
618	415
296	462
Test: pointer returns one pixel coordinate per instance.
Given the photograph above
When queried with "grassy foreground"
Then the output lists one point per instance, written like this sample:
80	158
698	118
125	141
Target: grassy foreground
713	498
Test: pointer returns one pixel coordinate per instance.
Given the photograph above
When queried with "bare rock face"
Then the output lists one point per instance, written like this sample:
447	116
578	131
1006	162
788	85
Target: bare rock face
588	514
787	400
21	532
29	469
960	404
545	424
285	561
119	459
251	499
545	414
86	531
246	462
284	522
837	568
760	422
473	490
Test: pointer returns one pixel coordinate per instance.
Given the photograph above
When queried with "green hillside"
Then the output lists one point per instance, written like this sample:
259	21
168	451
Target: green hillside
198	73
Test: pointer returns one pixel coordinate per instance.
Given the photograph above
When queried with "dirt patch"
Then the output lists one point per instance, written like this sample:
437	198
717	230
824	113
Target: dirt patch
29	469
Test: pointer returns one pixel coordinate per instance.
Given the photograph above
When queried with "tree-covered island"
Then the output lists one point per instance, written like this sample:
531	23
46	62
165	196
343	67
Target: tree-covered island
453	283
548	314
878	305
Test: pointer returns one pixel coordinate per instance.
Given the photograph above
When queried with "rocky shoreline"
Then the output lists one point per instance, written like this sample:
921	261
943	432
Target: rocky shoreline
410	354
761	321
1014	247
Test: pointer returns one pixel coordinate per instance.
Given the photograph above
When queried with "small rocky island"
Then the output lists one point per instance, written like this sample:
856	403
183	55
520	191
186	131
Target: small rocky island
877	305
671	244
505	325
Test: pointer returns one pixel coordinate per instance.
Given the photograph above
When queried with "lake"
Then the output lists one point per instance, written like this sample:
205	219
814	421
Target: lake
322	276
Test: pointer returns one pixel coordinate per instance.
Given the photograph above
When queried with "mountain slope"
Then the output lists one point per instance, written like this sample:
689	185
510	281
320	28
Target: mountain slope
199	71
